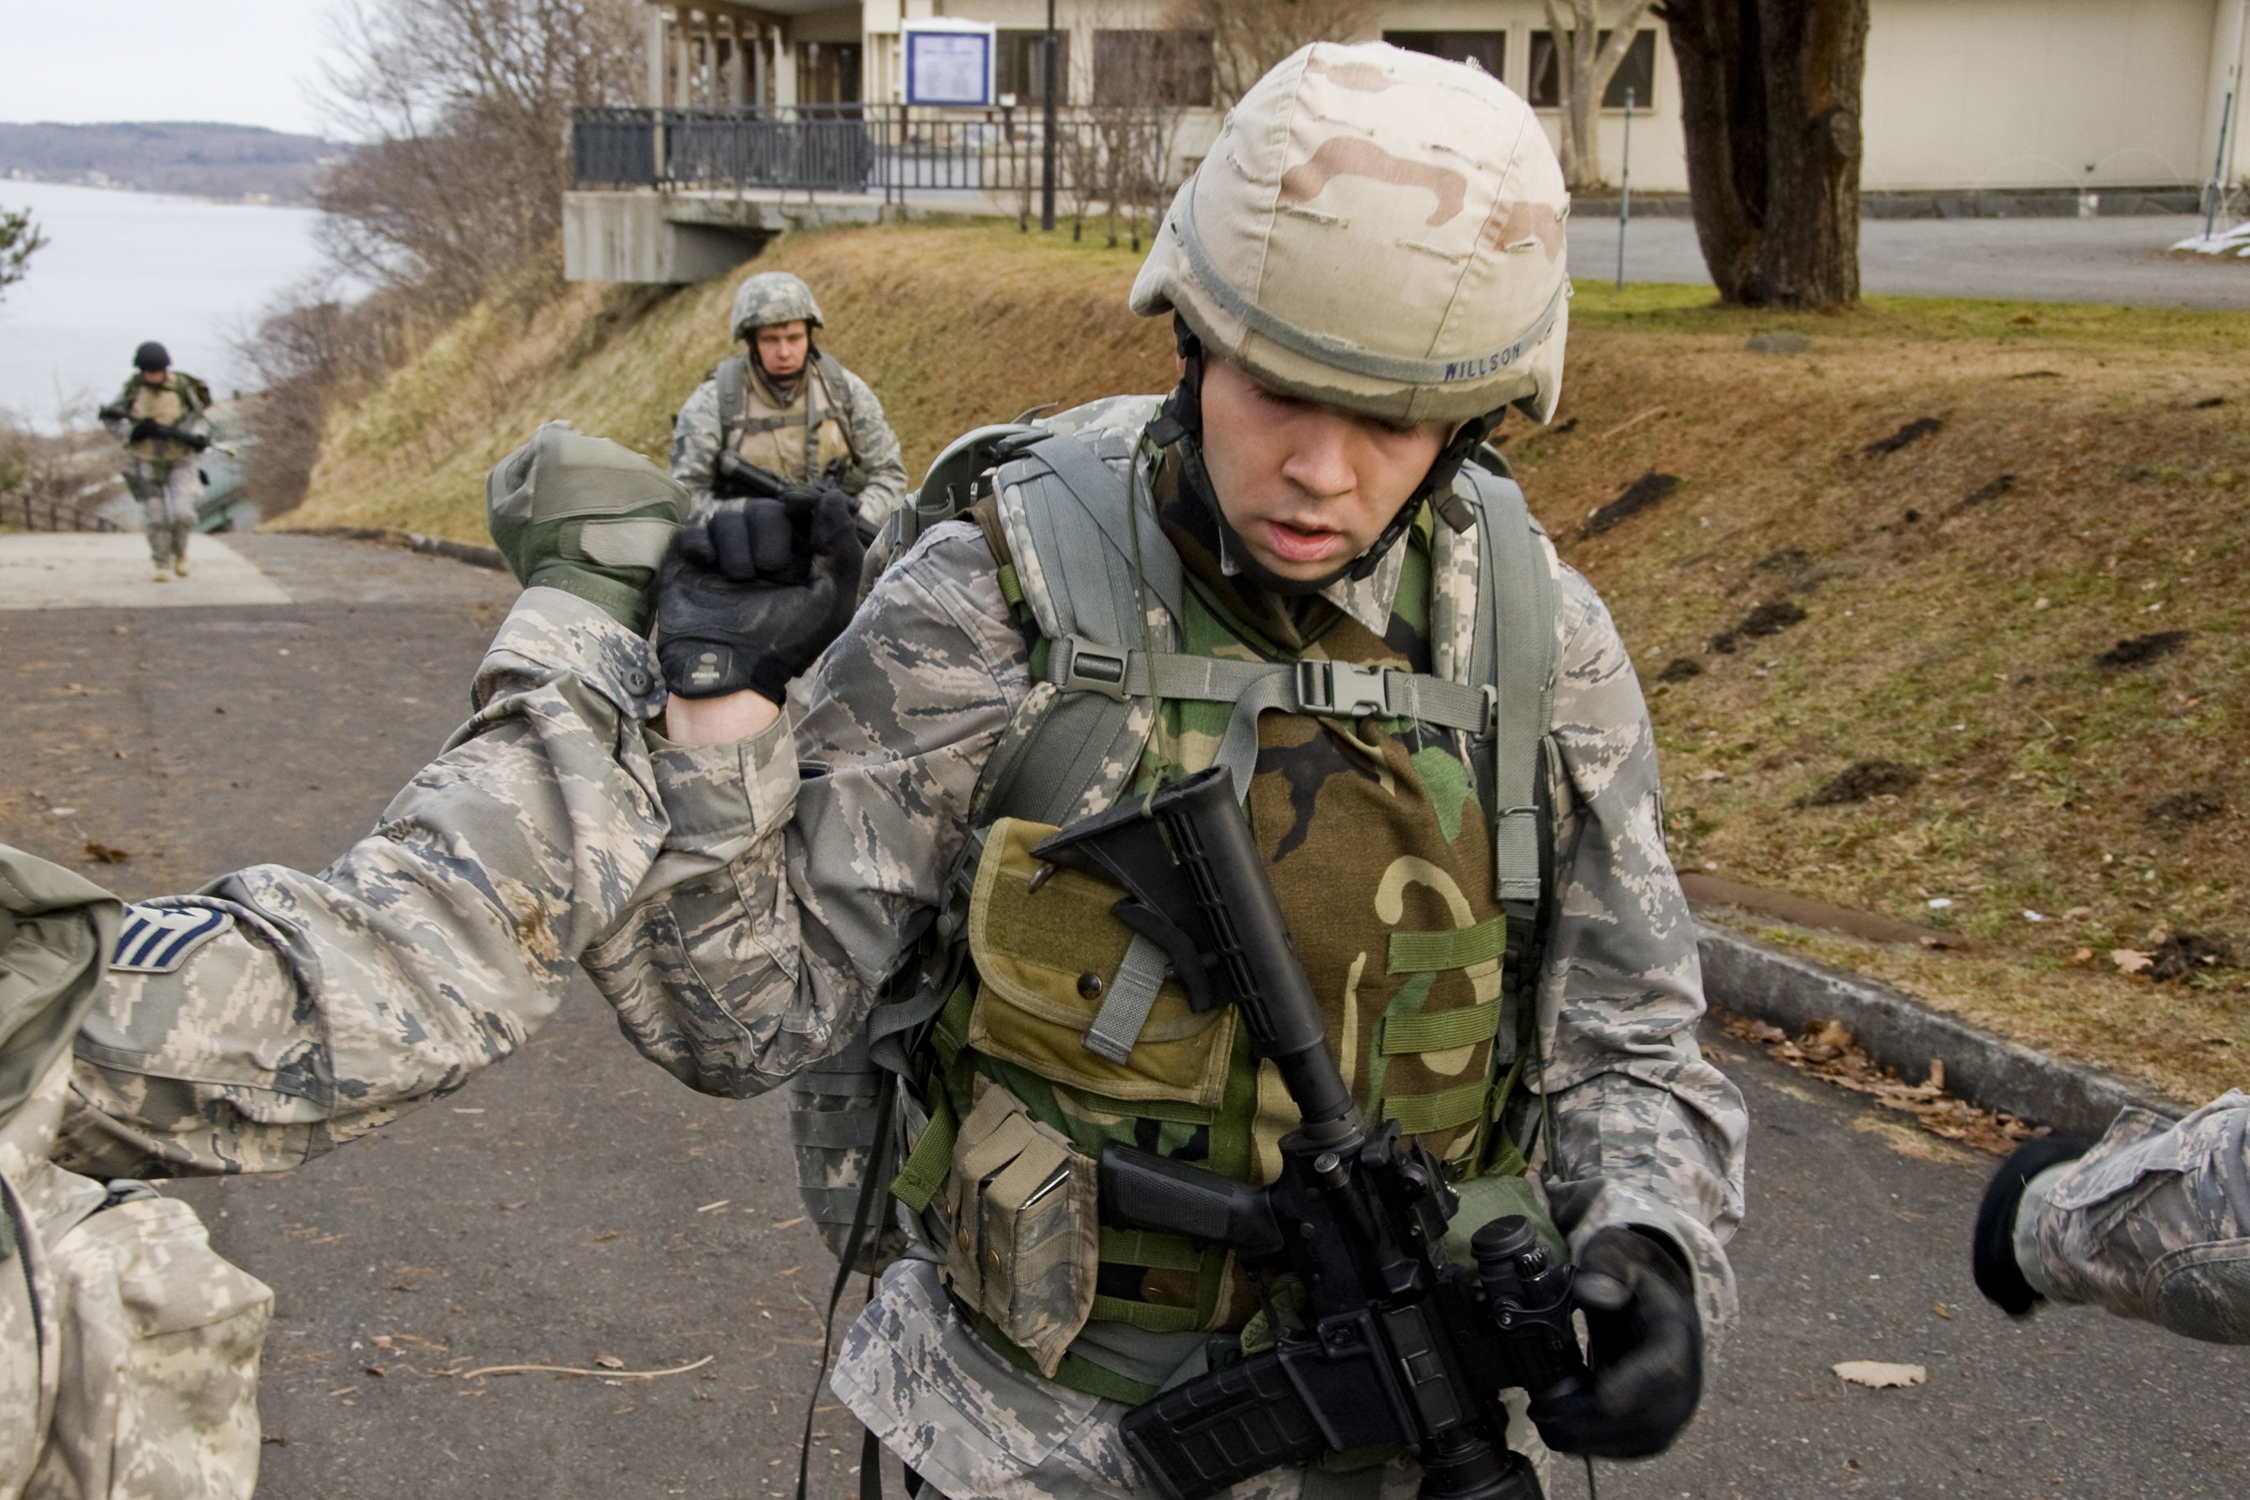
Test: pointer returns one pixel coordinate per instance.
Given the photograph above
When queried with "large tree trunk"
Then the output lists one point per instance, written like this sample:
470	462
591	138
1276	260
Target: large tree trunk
1770	93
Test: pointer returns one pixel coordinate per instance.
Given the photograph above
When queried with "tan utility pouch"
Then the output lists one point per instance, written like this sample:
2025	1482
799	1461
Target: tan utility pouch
1025	1234
1044	961
159	1392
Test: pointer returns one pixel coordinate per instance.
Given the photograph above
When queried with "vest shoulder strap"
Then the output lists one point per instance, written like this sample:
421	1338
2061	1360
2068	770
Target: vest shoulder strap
1513	650
729	375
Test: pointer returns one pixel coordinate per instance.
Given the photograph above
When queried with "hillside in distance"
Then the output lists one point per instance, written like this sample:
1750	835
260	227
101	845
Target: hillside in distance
200	159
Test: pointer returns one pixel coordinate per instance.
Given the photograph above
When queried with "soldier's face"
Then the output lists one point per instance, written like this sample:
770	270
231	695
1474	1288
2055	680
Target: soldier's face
154	377
781	348
1306	487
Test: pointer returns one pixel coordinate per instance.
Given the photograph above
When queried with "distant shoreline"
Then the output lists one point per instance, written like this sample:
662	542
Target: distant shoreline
244	200
205	160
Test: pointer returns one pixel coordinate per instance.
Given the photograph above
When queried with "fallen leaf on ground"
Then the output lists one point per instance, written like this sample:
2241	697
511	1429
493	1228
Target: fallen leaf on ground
2131	960
1877	1375
609	1362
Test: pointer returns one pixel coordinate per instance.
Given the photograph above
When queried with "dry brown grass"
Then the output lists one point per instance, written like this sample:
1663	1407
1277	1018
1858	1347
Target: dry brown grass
952	327
1925	642
1961	643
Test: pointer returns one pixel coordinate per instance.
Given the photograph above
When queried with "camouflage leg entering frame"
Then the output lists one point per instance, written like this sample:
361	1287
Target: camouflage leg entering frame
2153	1223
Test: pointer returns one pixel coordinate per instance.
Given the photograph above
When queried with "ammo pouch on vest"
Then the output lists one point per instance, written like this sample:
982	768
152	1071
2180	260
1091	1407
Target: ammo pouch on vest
1020	1205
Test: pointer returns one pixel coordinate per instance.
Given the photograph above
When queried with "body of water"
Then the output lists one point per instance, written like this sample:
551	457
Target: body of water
121	267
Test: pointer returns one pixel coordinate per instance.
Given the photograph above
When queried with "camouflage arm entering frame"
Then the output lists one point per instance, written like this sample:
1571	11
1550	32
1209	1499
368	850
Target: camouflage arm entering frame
696	433
1647	1132
2153	1223
431	949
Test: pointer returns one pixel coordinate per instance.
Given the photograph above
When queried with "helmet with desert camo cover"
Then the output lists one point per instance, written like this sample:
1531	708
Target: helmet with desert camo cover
1377	230
772	297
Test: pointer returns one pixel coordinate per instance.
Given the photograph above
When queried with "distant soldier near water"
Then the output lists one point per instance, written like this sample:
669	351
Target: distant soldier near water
160	418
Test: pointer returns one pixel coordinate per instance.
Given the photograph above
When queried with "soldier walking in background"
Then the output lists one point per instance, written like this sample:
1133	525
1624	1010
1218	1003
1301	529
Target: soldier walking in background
159	417
784	408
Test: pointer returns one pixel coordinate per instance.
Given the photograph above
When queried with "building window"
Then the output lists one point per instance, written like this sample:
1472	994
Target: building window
1637	71
1487	49
828	72
1152	67
1020	66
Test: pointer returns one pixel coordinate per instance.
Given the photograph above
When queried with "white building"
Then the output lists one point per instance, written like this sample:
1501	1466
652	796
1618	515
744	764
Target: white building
1962	96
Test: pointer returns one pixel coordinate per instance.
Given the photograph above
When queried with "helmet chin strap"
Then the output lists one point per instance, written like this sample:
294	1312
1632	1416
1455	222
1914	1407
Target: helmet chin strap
1180	421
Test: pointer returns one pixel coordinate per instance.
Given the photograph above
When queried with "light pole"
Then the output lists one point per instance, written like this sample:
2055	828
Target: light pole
1624	190
1047	132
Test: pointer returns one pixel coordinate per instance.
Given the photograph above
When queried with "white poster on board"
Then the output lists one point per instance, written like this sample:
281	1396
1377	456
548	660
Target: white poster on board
952	66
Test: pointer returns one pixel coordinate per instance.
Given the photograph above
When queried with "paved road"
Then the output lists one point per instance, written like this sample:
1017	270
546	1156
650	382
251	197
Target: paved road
2115	260
577	1203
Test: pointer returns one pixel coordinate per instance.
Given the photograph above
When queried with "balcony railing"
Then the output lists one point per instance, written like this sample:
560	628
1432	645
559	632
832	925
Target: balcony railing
1125	154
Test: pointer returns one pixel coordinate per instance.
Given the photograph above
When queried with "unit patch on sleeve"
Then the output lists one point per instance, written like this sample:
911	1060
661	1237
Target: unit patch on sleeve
158	939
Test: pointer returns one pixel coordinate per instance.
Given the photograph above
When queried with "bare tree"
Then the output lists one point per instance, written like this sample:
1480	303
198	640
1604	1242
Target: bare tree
1770	101
464	106
1588	47
1250	36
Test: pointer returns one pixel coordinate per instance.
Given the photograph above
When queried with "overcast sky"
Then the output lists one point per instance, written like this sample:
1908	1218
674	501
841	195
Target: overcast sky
245	62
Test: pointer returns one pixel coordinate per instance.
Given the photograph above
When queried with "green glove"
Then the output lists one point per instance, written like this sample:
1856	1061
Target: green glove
587	516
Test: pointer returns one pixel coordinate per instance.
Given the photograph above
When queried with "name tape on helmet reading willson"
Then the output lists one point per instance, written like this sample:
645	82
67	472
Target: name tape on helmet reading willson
158	939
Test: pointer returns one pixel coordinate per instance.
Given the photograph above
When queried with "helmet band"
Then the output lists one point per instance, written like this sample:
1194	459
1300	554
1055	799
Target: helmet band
1336	353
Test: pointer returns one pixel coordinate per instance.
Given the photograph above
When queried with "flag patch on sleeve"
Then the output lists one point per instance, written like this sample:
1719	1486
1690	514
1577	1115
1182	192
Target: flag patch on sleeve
158	939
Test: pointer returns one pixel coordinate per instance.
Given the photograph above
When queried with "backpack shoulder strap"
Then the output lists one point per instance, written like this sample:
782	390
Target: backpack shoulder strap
729	375
1066	508
1513	650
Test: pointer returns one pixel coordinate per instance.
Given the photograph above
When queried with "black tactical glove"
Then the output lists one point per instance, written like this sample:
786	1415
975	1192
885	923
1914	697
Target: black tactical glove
196	441
740	602
1998	1275
1644	1355
145	428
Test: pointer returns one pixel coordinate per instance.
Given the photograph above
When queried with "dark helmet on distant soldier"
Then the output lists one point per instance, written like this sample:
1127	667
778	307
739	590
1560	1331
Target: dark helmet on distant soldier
151	357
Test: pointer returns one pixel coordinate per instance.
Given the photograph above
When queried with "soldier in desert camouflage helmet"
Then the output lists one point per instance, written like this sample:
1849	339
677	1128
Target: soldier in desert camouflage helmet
747	890
1294	500
2151	1222
784	405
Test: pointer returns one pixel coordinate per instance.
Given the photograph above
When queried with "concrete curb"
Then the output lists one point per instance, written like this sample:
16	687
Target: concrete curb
412	541
1898	1031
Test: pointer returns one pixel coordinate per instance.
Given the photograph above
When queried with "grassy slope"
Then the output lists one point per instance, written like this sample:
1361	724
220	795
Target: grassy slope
1925	642
1961	643
952	327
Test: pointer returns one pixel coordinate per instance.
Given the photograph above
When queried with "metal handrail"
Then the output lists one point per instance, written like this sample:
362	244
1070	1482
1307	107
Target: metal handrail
1105	151
57	516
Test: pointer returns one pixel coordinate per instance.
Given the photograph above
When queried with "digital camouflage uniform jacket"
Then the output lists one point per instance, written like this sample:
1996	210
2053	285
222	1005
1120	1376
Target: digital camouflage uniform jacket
738	979
755	898
2153	1223
696	438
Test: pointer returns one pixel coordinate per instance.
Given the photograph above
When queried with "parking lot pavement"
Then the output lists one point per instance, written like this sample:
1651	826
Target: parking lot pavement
2121	259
